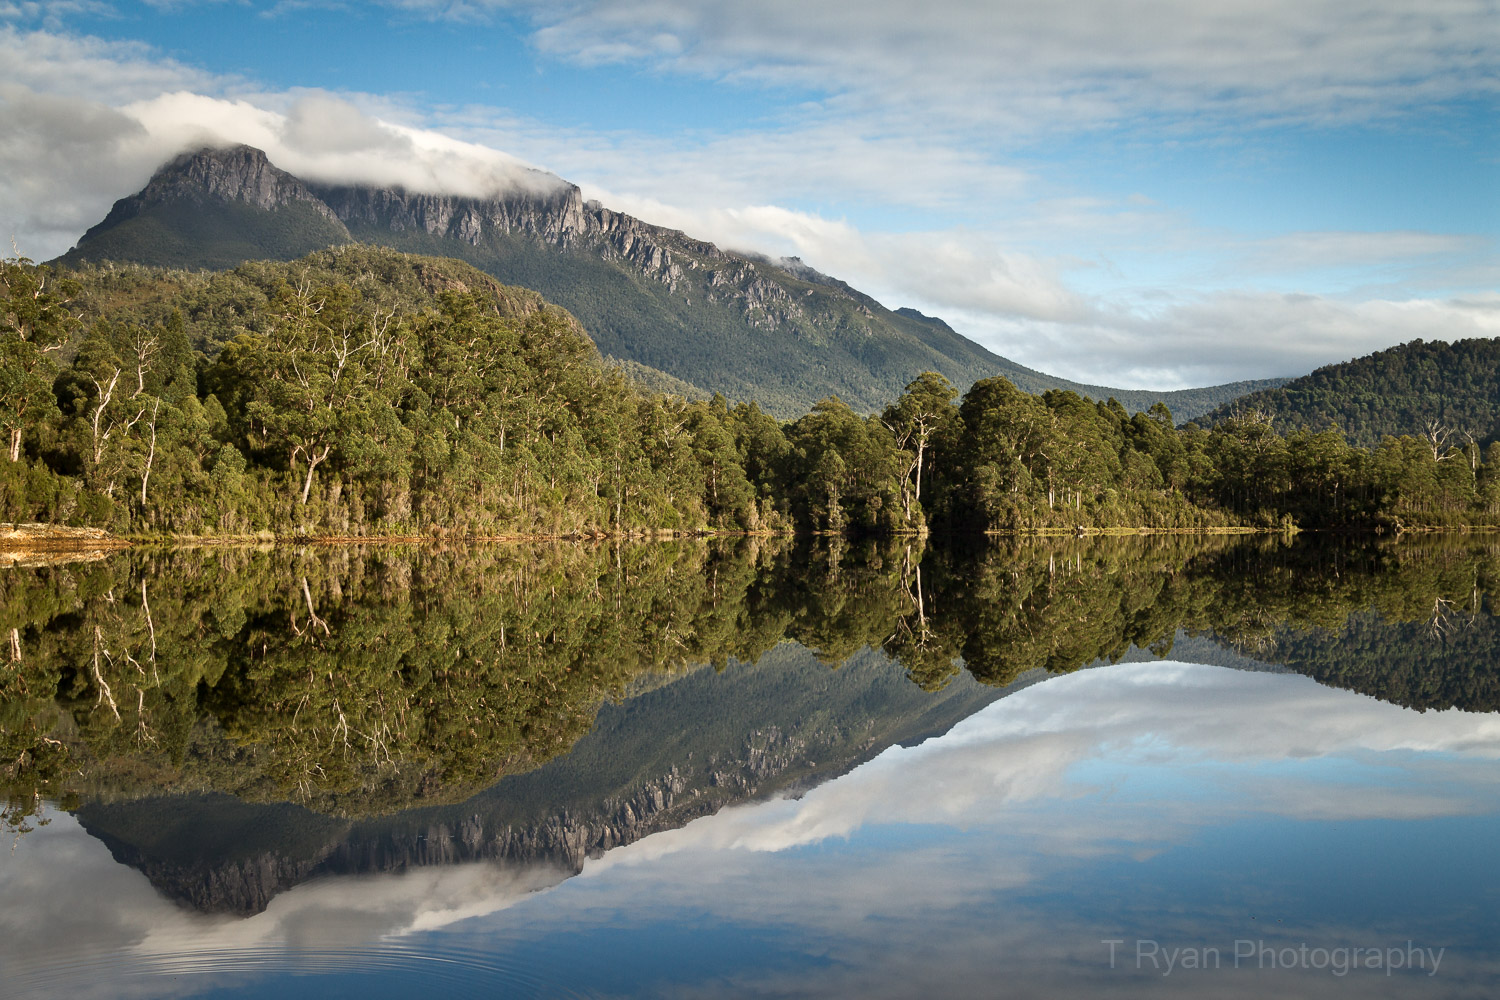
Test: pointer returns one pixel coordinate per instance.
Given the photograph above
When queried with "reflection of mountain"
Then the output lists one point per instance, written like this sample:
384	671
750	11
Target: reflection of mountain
668	756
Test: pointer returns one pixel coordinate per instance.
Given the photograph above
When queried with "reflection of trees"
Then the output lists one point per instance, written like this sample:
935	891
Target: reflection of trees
1011	608
342	677
358	680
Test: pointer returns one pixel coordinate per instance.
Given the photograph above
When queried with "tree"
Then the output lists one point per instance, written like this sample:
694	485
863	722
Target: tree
915	418
35	323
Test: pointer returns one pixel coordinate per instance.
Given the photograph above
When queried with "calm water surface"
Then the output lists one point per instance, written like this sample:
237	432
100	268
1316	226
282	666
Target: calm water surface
1160	767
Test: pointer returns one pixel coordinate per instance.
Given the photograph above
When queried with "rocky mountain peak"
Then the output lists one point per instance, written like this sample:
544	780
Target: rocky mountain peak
229	175
238	173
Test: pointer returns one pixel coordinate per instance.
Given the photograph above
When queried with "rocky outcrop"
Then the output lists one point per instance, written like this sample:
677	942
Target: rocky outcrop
557	215
238	174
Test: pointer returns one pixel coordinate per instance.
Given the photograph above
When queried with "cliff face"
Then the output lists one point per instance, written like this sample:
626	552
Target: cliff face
562	219
240	174
553	216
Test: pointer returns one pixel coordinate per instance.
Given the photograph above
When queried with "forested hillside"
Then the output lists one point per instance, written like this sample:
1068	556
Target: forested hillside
1446	392
360	391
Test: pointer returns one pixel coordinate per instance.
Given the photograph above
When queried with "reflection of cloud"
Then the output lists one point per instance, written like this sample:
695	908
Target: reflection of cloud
67	908
954	914
949	845
1021	750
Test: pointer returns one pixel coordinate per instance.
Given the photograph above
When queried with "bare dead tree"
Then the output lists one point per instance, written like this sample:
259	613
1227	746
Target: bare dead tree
105	695
151	454
312	615
1436	434
145	345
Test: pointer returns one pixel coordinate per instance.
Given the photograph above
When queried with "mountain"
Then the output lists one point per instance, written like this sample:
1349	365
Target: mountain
1410	389
778	332
213	210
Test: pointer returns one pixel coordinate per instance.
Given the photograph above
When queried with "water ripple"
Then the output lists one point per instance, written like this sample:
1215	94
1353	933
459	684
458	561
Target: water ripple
453	969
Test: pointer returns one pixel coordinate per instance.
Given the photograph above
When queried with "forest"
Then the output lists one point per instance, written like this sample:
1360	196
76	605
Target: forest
361	392
1426	387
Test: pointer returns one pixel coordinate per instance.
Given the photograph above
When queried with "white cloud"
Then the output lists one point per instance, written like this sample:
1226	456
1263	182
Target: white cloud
322	137
60	158
66	65
53	14
69	155
823	160
1291	252
1217	337
1014	63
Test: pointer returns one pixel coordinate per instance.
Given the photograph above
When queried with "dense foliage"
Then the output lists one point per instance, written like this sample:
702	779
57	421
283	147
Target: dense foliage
1448	393
363	392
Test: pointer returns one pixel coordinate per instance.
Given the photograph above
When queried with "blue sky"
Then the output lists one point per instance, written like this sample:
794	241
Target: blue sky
1155	193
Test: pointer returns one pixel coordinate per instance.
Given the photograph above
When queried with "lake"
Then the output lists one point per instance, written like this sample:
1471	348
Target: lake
1195	766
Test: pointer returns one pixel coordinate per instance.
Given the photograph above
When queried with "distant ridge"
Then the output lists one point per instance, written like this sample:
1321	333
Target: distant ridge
1185	404
778	332
1421	387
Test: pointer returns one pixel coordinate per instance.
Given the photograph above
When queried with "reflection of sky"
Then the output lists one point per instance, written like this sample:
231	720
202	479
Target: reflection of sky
1192	806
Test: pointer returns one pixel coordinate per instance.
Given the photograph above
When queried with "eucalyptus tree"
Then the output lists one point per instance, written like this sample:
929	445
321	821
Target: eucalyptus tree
36	321
921	414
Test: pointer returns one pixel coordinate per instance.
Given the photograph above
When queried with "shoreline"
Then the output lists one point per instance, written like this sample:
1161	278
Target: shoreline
39	537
